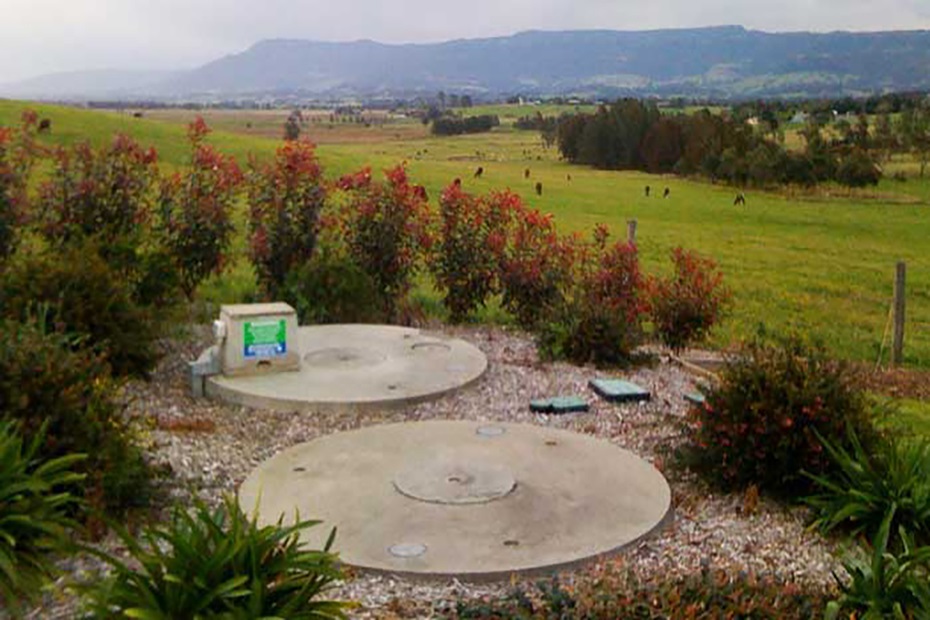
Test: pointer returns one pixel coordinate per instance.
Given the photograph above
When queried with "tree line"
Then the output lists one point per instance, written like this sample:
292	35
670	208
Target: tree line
630	134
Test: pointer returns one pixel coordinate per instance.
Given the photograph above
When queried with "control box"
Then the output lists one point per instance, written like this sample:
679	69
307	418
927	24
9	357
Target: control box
257	338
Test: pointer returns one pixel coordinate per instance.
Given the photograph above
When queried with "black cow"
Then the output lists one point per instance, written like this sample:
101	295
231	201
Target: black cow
666	193
479	172
538	188
45	125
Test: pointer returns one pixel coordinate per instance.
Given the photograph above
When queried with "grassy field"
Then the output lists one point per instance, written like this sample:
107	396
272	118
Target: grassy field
820	262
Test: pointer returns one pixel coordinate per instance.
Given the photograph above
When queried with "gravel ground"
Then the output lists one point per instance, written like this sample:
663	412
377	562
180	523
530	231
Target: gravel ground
211	447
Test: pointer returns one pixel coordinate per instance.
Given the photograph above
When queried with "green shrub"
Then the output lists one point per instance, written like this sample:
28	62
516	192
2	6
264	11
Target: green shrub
760	422
882	584
218	564
866	486
619	596
86	298
67	395
687	305
331	288
34	508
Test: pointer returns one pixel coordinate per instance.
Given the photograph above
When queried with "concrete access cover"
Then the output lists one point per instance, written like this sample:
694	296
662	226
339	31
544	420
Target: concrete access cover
358	366
466	499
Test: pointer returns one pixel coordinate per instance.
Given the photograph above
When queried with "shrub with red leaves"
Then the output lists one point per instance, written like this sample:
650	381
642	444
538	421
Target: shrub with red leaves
599	319
17	154
759	422
386	230
467	255
195	211
536	268
285	198
687	305
104	193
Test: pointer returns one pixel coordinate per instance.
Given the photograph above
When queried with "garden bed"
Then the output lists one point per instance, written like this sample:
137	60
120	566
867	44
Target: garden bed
211	447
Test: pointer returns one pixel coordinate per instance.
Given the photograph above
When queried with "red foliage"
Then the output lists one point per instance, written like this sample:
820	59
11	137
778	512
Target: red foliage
104	193
469	250
195	210
537	266
285	199
688	304
386	228
18	150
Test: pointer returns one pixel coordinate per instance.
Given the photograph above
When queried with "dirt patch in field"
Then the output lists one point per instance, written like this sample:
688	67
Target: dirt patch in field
897	382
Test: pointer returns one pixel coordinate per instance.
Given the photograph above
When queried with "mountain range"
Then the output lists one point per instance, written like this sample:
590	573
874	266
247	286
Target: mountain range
717	62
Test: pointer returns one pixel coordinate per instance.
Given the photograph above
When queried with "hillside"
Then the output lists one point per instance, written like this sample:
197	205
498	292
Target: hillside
728	61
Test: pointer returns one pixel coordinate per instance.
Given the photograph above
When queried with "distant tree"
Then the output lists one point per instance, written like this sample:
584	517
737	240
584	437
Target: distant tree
292	128
857	169
884	139
466	101
914	130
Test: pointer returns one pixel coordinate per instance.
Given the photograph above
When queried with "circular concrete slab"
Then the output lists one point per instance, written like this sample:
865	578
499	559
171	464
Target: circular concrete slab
357	366
473	500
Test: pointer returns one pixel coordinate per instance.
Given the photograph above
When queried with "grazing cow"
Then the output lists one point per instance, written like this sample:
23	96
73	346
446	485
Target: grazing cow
45	125
740	199
568	178
479	172
526	173
648	189
666	193
137	114
538	188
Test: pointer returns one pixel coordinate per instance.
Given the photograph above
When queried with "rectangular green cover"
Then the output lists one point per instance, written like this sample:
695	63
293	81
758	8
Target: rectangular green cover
619	391
559	404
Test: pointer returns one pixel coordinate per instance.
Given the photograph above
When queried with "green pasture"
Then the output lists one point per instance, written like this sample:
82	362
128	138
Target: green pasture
822	263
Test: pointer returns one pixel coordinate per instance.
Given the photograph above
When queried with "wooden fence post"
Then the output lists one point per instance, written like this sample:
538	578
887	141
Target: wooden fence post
897	351
631	231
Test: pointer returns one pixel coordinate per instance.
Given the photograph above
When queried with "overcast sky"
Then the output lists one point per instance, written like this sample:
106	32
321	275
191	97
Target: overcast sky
44	36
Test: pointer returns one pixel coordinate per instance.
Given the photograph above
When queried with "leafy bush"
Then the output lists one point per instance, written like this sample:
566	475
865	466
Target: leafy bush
17	153
687	305
883	584
760	423
468	250
285	199
600	320
218	564
537	267
195	220
103	193
88	298
34	521
865	487
331	288
67	396
611	595
386	228
858	169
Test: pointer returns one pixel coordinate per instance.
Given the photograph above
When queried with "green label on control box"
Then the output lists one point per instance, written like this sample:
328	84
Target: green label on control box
265	338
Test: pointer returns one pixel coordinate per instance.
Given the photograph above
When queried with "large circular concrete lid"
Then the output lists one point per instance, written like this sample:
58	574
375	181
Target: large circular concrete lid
462	498
358	366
